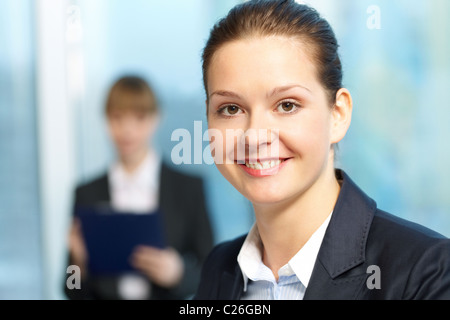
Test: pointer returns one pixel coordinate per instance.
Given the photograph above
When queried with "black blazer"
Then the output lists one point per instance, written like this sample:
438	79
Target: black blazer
187	229
413	261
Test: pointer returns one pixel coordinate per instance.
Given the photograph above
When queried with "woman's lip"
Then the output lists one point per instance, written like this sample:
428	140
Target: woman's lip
264	172
260	160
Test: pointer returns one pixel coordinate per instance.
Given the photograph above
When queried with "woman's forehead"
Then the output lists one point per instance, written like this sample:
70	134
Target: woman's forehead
268	61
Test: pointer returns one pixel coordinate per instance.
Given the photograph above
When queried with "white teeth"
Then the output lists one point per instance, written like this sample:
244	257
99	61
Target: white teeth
263	165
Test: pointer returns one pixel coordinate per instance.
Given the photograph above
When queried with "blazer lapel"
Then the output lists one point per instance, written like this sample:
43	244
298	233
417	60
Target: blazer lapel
339	272
102	195
323	287
231	285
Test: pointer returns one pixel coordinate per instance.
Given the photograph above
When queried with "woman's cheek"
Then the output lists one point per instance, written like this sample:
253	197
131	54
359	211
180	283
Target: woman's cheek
304	138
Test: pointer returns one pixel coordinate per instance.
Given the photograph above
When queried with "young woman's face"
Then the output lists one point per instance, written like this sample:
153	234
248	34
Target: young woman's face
131	131
270	86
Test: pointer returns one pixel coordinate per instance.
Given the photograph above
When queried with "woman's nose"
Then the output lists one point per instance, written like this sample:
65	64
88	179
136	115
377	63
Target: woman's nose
260	139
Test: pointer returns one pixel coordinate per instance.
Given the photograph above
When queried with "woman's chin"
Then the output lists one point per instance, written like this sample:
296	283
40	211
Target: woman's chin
262	196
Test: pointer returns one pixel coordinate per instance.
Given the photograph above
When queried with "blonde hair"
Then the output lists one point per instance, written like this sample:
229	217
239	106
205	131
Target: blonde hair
131	93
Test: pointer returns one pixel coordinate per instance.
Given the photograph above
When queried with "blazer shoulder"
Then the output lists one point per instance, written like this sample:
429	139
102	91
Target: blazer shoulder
188	184
398	237
414	260
95	183
222	259
93	191
396	229
178	175
225	253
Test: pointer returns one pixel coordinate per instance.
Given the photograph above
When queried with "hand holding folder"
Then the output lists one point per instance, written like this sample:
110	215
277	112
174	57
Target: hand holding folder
111	237
164	267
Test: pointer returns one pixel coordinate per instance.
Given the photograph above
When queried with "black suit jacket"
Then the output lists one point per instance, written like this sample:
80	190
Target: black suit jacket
413	261
187	229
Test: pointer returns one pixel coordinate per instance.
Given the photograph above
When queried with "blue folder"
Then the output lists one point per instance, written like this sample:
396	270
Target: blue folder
110	237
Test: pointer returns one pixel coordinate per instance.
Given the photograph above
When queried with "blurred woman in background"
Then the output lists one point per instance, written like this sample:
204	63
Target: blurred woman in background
139	182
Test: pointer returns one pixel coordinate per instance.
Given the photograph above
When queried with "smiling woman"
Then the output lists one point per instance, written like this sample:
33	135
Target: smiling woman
273	67
291	101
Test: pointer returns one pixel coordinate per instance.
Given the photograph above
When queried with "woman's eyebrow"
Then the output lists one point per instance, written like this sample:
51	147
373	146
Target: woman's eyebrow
278	90
282	89
225	93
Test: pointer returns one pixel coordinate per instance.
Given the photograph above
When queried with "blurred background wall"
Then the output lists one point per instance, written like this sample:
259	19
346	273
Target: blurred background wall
20	214
58	59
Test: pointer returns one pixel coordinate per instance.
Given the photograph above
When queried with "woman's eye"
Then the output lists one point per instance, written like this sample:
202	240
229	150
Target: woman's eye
230	110
287	107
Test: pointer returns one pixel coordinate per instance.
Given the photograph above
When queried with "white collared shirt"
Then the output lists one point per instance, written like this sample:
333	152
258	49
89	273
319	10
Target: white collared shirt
137	192
293	277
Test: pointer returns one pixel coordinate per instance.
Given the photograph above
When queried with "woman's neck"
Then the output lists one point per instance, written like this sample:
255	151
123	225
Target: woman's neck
131	163
285	227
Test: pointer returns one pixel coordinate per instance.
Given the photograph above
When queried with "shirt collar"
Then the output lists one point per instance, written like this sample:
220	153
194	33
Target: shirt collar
145	176
250	256
302	264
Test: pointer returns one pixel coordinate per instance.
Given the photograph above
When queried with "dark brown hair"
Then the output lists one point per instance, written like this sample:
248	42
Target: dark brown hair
283	18
131	93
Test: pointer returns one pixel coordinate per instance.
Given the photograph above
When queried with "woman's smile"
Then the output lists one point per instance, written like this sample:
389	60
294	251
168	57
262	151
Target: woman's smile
263	168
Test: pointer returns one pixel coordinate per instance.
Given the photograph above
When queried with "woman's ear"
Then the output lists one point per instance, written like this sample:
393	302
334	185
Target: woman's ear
341	115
